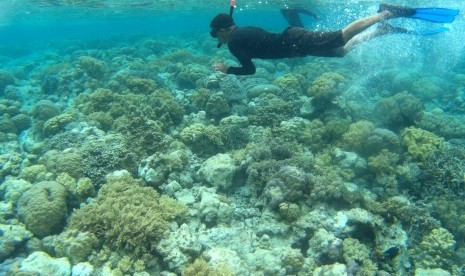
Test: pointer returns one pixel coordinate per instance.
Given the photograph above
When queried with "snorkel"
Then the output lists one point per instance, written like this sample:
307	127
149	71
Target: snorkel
232	4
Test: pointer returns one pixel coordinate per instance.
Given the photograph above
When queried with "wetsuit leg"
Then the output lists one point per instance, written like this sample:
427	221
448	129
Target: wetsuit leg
305	42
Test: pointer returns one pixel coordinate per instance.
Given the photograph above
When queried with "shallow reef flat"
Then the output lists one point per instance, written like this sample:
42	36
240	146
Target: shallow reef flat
134	157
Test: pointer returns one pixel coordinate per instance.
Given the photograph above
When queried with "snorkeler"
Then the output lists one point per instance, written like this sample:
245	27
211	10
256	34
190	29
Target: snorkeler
246	43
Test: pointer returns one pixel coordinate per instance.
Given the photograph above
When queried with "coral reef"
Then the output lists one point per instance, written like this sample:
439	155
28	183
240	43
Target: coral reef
399	111
421	144
312	166
93	67
74	245
436	250
202	139
219	171
6	78
127	216
42	208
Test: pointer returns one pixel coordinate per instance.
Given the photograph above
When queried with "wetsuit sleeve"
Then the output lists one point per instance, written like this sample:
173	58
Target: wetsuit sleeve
247	68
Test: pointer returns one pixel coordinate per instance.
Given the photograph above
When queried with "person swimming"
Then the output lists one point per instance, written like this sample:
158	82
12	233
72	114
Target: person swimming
246	43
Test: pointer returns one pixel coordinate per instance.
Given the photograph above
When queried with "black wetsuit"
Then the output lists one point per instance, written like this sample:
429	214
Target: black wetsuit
246	43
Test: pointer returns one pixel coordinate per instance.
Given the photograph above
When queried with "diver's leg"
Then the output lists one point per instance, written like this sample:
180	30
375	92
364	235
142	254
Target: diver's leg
383	29
360	25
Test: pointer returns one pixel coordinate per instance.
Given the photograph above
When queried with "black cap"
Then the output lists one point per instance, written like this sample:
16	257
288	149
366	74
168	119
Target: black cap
222	21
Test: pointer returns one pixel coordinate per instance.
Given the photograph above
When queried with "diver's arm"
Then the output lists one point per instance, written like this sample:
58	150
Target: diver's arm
247	68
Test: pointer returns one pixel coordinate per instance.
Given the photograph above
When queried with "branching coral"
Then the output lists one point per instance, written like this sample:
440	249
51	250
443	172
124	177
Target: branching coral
127	216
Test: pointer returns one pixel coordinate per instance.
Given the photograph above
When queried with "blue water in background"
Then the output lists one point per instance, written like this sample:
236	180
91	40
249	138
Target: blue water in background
27	28
39	37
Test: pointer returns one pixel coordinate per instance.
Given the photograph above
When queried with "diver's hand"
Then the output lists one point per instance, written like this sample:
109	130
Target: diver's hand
221	67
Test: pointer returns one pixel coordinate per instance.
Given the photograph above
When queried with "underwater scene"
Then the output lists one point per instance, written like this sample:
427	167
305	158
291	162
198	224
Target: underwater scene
133	143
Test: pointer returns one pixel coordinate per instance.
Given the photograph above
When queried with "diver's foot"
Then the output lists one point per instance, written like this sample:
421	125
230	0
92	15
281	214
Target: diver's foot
397	11
386	28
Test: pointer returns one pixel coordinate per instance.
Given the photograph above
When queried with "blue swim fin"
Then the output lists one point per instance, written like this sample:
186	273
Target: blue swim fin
429	32
437	15
386	28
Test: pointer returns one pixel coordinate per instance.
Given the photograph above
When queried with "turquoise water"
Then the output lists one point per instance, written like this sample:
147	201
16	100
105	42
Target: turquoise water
123	152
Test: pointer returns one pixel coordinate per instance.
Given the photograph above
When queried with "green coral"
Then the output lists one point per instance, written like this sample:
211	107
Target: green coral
436	250
202	139
56	124
160	106
74	245
292	260
384	163
43	208
44	110
217	106
101	100
93	67
41	112
326	86
190	75
201	268
78	191
421	144
443	172
34	173
200	98
289	211
270	111
127	216
354	250
6	78
450	212
68	161
140	85
356	137
400	110
291	85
